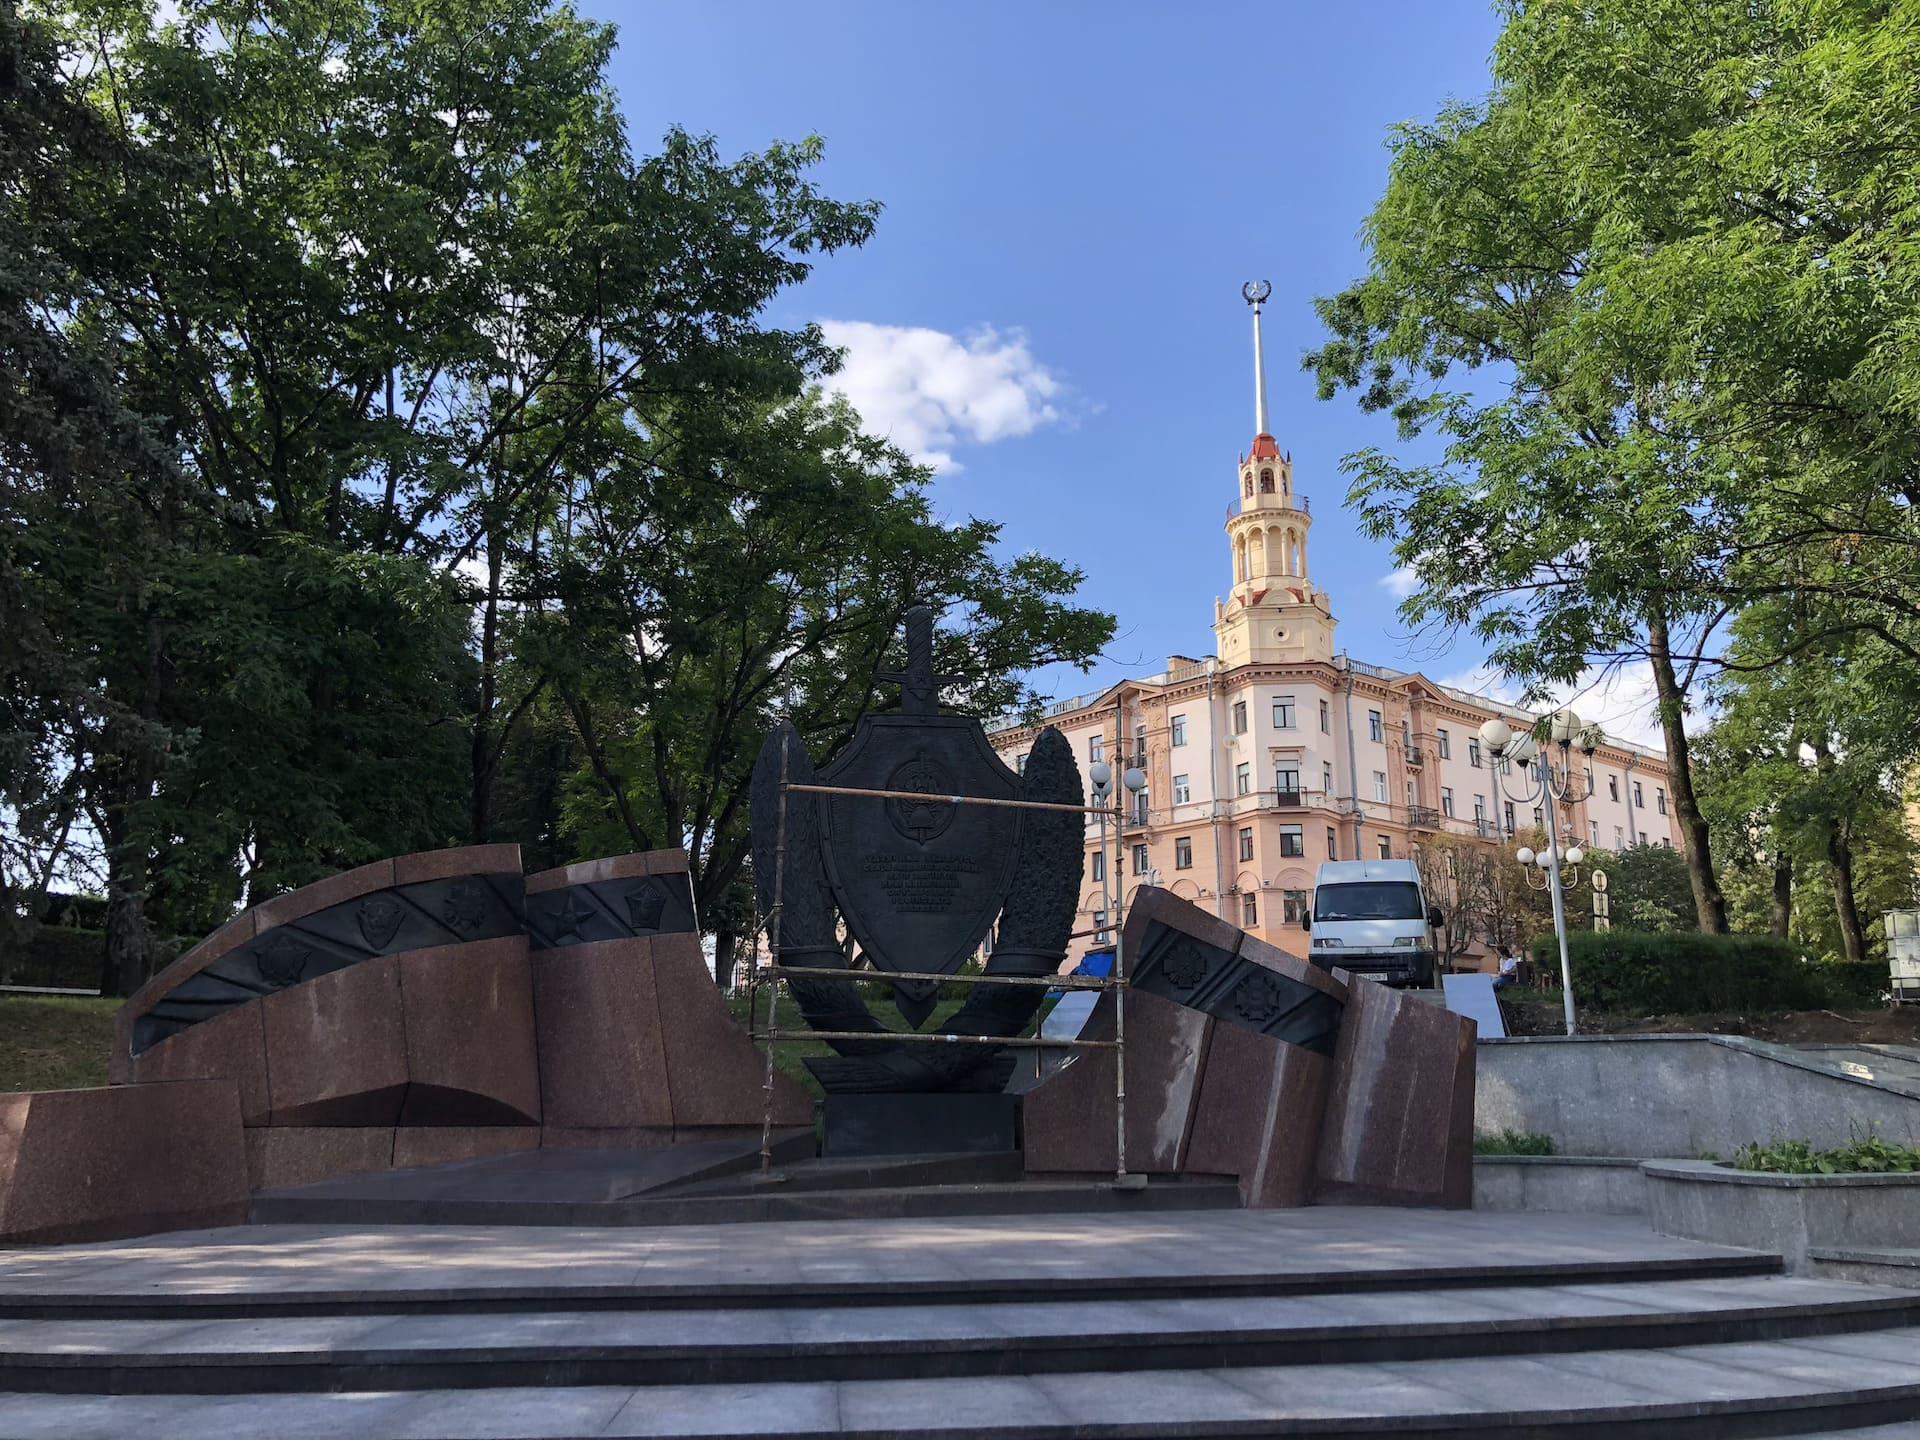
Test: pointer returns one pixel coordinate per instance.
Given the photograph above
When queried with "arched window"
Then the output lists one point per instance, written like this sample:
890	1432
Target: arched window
1249	483
1266	482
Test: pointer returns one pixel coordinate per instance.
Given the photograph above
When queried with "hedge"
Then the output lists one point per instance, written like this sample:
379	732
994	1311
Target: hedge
56	956
1637	972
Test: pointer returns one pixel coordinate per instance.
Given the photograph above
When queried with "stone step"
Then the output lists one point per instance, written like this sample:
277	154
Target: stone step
342	1204
1802	1386
735	1346
467	1294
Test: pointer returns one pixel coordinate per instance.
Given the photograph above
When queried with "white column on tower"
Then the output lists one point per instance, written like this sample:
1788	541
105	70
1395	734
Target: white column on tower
1255	293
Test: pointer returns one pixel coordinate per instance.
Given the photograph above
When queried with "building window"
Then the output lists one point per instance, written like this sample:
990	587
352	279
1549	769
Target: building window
1326	777
1444	743
1613	787
1246	843
1293	906
1140	745
1326	718
1020	764
1249	483
1660	798
1380	786
1140	807
1589	779
1509	817
1283	713
1183	853
1593	832
1446	801
1667	841
1333	843
1179	728
1243	778
1182	791
1239	717
1386	847
1266	482
1406	734
1376	727
1639	800
1249	913
1643	837
1099	865
1293	844
1286	779
1096	749
1100	936
1473	752
1140	865
1539	820
1619	837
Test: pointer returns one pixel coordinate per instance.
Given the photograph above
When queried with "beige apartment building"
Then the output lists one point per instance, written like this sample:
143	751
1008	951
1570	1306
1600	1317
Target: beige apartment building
1279	751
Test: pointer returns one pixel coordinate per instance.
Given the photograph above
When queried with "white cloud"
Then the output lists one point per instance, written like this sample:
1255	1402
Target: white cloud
928	391
1400	583
1620	699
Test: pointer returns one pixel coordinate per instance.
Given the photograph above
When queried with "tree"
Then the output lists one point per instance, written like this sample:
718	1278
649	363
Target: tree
1815	749
1675	240
445	383
1649	888
801	544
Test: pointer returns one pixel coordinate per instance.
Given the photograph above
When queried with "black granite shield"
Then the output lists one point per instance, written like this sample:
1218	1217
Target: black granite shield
919	881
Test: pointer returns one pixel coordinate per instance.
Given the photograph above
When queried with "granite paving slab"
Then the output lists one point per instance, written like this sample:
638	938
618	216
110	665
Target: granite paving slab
1320	1247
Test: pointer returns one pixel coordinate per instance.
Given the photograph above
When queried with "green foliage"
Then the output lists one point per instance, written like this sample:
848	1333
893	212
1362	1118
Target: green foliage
1862	1155
1650	889
1513	1142
394	458
56	956
1640	973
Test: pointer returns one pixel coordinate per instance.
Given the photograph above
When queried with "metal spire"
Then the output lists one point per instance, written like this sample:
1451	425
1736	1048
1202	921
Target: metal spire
1255	292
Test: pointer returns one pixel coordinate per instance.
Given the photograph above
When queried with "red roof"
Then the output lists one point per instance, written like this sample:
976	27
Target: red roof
1264	448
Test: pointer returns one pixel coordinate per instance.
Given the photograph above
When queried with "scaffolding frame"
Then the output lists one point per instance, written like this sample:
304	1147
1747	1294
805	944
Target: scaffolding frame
773	974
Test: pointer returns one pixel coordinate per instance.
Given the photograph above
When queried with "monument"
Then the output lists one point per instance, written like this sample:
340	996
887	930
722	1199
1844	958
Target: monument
429	1036
948	842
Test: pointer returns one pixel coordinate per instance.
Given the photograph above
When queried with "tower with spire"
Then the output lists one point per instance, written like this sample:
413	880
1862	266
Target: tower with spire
1273	614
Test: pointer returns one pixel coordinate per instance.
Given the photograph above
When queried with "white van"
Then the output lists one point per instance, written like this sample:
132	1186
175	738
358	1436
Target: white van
1371	917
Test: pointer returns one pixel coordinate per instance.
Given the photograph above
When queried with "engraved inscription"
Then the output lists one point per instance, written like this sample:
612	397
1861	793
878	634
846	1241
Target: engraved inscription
919	884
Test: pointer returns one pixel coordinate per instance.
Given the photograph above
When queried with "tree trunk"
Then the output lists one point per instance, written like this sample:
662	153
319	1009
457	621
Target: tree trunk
1780	922
1853	938
1708	902
481	755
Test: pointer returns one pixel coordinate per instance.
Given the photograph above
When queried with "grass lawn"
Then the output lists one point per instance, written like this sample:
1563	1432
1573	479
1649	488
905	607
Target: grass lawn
54	1042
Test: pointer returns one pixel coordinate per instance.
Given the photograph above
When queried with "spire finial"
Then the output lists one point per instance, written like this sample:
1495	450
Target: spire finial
1255	293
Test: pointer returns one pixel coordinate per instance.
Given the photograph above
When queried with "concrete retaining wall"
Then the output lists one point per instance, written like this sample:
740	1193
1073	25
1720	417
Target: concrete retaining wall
1683	1096
1579	1184
1786	1213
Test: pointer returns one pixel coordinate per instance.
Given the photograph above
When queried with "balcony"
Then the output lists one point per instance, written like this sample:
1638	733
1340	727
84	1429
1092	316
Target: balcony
1416	757
1424	817
1289	799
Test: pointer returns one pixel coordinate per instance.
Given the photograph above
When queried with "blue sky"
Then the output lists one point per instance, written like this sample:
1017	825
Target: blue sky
1074	194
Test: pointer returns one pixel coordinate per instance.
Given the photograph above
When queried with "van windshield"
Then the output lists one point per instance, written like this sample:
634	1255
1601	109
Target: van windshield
1368	900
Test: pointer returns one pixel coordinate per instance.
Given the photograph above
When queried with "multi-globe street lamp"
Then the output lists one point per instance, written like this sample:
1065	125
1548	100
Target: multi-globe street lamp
1100	774
1552	786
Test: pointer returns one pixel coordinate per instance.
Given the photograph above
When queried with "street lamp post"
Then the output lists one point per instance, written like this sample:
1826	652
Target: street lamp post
1552	789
